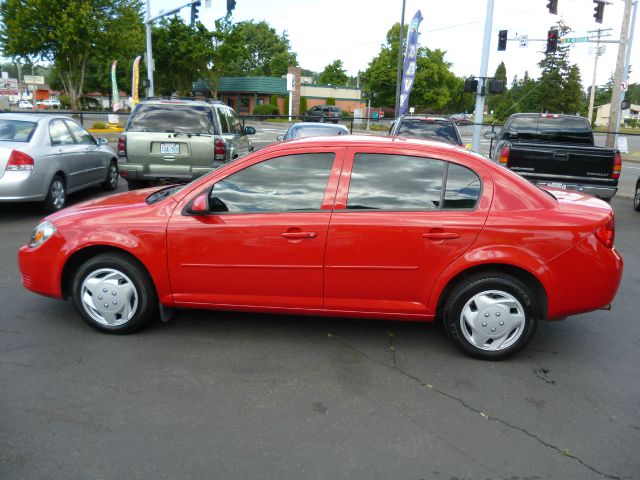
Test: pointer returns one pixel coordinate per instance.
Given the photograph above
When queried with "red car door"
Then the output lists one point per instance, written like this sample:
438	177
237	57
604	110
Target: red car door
395	229
263	242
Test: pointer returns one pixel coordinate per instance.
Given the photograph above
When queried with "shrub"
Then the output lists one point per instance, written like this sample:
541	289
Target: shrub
65	101
286	105
303	105
266	109
346	114
100	126
273	100
331	101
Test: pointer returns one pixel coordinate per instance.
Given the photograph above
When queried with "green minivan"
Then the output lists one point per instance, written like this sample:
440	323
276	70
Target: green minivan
179	139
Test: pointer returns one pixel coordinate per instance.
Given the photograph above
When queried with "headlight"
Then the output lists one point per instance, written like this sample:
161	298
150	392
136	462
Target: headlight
42	233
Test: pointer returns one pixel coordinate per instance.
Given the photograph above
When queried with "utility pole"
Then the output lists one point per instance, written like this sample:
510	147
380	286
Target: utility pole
625	75
593	81
617	79
149	59
400	62
479	112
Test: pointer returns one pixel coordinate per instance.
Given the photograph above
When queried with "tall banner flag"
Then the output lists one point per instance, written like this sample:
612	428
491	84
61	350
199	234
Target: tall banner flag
135	78
115	97
410	59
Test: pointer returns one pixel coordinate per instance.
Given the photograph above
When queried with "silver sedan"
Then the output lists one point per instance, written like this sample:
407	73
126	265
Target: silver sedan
45	157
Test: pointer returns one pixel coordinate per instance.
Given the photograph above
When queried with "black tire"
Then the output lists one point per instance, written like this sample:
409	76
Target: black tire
130	299
136	184
636	197
111	182
56	195
505	310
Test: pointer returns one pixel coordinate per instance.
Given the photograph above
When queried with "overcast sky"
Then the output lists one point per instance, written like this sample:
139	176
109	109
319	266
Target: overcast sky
321	31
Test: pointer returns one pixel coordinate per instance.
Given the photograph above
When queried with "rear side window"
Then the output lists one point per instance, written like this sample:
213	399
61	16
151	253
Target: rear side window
550	129
282	184
430	129
172	118
398	182
16	131
222	118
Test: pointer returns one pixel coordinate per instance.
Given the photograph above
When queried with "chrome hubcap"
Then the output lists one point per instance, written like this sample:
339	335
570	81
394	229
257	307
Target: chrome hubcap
492	320
109	297
57	194
113	175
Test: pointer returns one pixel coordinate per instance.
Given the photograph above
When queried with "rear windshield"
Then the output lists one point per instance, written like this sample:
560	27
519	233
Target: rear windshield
331	109
317	132
172	118
16	130
430	129
550	129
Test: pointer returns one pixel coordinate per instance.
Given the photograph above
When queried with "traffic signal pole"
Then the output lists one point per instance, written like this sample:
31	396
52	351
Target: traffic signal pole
484	63
625	74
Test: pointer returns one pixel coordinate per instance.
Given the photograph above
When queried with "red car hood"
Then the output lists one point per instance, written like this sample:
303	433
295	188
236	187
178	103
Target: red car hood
118	203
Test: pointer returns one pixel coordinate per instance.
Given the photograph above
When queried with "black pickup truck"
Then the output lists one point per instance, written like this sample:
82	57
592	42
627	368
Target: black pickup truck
557	151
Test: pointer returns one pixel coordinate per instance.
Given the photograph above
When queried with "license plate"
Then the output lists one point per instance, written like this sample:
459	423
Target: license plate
171	148
561	186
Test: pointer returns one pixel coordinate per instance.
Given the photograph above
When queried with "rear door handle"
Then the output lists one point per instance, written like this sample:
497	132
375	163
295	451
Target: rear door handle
298	235
441	235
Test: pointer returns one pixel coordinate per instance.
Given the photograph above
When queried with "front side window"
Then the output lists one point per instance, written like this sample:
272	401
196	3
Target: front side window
283	184
59	133
171	118
81	135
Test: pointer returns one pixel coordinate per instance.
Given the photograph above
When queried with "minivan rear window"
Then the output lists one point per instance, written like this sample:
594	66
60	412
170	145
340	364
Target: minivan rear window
172	118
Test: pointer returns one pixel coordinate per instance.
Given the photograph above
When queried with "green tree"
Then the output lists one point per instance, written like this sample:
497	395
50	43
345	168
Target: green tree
334	74
70	34
250	48
182	54
495	102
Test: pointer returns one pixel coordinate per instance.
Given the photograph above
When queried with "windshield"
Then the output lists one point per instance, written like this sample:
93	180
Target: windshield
16	130
429	128
550	129
172	118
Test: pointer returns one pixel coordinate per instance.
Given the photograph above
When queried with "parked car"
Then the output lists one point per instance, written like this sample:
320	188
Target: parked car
23	104
323	113
45	157
441	129
351	226
557	150
636	197
313	129
461	119
179	140
51	103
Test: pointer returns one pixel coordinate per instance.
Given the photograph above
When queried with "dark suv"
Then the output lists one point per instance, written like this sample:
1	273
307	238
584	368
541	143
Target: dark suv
179	139
323	113
441	129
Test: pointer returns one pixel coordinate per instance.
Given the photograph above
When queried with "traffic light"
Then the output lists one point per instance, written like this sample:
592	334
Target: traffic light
194	12
502	40
598	10
553	6
471	85
496	86
231	4
552	40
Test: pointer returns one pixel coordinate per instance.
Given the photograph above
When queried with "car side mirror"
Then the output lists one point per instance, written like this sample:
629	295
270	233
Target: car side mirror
280	138
199	205
102	141
249	131
490	135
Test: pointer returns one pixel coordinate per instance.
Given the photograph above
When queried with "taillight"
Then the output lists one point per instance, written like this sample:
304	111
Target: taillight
19	161
504	155
122	146
617	165
220	150
607	233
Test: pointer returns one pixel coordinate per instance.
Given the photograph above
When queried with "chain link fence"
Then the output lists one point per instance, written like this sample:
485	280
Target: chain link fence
272	128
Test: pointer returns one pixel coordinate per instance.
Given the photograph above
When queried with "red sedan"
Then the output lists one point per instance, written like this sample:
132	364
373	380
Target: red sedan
375	227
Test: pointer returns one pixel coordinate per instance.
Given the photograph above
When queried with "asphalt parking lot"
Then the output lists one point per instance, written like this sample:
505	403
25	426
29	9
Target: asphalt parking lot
242	396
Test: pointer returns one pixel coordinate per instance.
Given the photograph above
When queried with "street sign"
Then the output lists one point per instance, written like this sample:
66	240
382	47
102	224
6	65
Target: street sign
524	41
574	40
34	79
624	85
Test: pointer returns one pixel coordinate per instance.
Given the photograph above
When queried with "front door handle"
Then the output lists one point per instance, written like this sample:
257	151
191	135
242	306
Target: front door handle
441	235
298	235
